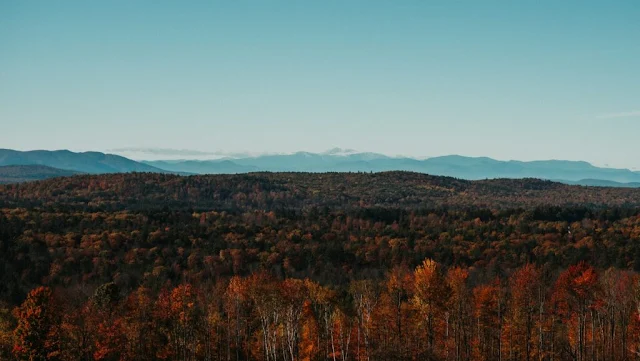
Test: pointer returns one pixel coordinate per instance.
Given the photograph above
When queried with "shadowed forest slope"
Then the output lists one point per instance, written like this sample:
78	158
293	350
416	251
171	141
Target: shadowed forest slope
269	191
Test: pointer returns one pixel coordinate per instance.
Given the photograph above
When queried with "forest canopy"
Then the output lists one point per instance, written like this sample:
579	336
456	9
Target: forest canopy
297	266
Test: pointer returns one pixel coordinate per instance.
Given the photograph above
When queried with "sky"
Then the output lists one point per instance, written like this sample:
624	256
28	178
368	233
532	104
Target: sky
521	80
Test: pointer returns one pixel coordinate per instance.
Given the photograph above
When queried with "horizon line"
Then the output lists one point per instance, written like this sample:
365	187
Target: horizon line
223	155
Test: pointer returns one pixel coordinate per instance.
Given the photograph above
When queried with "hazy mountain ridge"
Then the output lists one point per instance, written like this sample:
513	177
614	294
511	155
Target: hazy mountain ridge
602	183
85	162
334	160
452	165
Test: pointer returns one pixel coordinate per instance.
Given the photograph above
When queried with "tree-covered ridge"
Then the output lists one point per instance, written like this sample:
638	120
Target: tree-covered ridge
271	191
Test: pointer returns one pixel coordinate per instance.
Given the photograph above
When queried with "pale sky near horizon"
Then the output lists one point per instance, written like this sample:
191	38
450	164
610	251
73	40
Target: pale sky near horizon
504	79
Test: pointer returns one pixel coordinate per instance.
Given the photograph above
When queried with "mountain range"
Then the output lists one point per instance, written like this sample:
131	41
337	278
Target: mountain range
85	162
472	168
335	160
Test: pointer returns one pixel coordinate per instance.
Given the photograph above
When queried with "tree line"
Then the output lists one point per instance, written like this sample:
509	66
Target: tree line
427	313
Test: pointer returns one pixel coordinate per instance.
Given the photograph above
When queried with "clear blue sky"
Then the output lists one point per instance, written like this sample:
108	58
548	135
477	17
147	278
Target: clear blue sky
506	79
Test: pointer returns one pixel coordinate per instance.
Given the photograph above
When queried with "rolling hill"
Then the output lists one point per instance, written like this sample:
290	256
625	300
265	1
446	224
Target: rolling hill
274	191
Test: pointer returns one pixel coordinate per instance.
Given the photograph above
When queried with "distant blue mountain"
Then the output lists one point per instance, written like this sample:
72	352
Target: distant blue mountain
296	162
602	183
222	166
86	162
452	165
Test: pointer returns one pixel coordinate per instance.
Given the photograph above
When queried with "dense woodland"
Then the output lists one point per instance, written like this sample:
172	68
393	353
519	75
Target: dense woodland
334	266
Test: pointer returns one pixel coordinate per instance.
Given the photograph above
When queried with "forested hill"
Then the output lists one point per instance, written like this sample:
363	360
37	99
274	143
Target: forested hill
130	263
273	191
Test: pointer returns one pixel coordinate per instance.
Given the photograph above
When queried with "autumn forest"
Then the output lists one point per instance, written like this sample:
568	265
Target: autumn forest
326	266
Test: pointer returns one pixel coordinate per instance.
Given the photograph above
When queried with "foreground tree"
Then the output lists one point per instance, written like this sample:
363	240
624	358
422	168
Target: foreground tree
489	310
459	323
431	296
524	316
36	335
575	297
